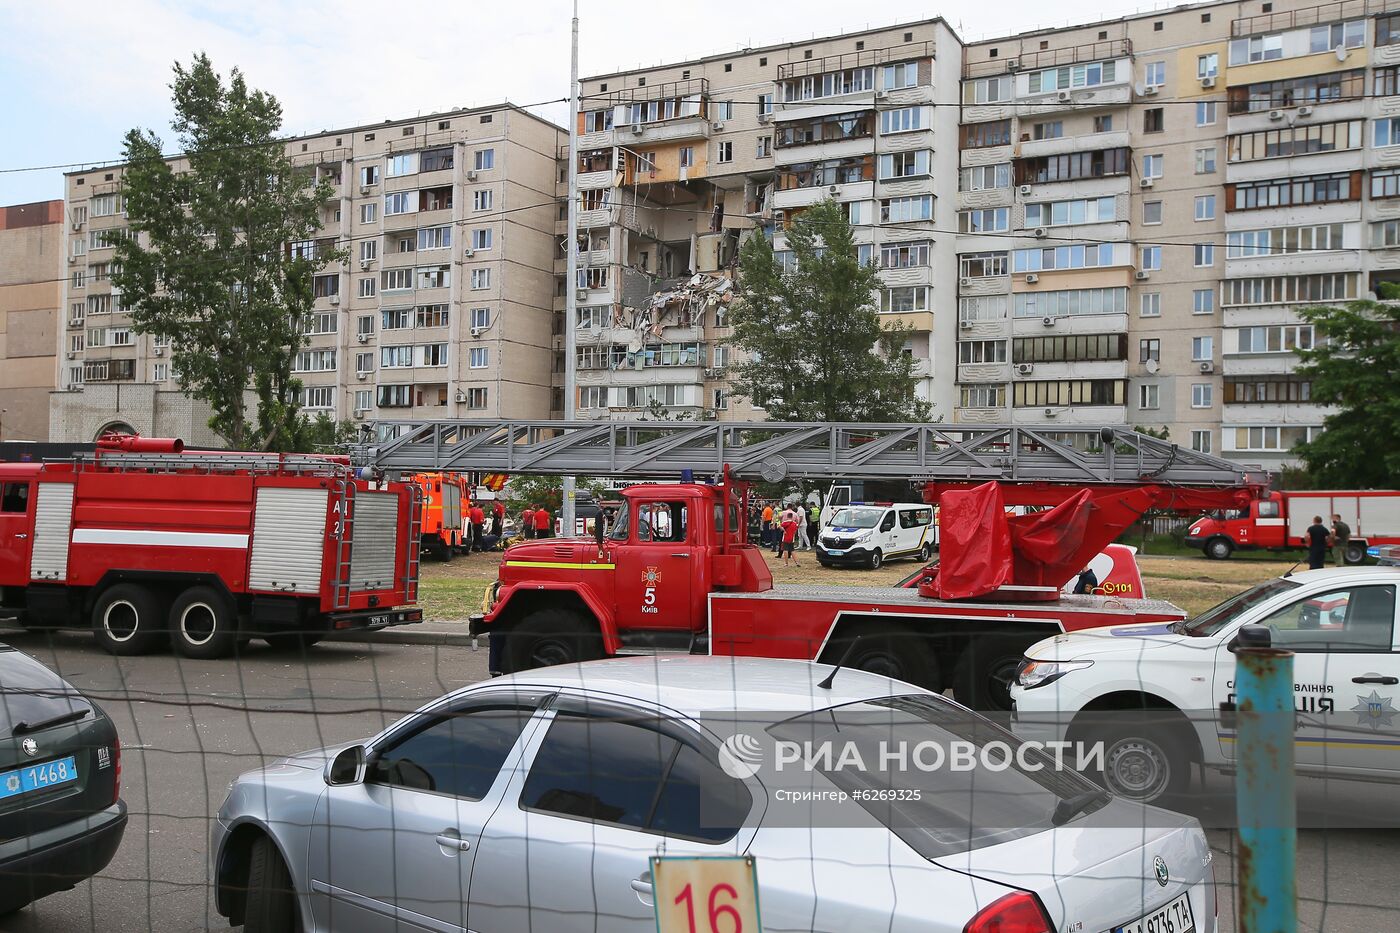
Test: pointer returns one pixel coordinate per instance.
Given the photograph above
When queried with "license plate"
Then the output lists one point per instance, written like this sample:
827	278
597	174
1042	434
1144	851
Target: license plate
1175	917
38	777
378	620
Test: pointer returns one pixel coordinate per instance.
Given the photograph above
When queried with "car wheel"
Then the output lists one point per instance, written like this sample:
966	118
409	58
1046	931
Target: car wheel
286	641
551	636
271	903
203	624
876	559
1143	764
925	552
129	619
1355	552
987	669
896	653
1219	548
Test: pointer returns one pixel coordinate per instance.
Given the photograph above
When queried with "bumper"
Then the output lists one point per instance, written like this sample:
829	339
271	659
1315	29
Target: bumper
1195	541
373	618
59	858
844	557
476	624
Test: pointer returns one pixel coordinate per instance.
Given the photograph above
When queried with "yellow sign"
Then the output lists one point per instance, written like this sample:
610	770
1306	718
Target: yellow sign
705	895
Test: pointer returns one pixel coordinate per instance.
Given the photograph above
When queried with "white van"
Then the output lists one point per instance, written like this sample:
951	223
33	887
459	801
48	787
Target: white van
869	535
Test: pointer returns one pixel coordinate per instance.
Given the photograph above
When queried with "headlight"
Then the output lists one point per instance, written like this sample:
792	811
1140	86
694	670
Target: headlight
1039	673
864	535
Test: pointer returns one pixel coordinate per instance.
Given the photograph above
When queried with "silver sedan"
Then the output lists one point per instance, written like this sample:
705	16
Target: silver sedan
537	803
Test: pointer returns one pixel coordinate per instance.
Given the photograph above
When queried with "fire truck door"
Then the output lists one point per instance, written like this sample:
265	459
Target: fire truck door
655	569
16	531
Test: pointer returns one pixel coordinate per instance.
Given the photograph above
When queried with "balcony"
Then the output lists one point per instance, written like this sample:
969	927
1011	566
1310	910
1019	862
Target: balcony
1307	16
1072	414
680	128
1088	142
1078	100
1051	58
983	372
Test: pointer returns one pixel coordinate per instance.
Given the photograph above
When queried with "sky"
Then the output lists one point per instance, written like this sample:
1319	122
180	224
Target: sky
76	76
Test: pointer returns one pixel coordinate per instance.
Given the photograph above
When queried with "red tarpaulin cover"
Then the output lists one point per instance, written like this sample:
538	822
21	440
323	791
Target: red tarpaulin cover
974	542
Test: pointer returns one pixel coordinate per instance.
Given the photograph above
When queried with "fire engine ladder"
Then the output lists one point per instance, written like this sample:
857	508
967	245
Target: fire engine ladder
217	462
343	494
775	451
415	537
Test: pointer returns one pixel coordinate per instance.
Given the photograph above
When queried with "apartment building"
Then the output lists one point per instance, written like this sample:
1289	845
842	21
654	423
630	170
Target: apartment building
31	242
443	309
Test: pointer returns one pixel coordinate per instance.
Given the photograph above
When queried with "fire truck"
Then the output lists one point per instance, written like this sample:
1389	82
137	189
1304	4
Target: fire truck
144	541
446	501
676	573
1280	520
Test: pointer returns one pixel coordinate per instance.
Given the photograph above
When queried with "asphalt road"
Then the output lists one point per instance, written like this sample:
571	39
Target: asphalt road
188	727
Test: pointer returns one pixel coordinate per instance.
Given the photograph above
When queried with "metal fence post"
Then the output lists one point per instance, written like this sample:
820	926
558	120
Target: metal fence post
1264	795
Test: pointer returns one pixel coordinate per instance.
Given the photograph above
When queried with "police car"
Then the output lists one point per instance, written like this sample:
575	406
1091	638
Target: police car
1150	701
868	534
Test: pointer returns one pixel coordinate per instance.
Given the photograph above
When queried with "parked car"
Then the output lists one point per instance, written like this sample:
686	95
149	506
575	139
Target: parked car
535	801
1151	692
61	812
869	535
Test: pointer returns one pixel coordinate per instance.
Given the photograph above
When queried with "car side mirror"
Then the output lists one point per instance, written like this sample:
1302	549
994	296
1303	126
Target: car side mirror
347	767
1251	636
598	530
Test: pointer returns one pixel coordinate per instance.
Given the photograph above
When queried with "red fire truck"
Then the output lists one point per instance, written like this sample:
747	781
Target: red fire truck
675	571
446	501
145	541
1280	520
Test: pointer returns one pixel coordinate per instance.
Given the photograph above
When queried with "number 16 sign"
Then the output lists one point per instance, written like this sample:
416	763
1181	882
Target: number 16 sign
705	895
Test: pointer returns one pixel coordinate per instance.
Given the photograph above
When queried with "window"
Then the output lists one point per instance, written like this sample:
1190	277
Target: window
161	372
1270	437
1277	338
1149	351
481	239
1202	395
1152	165
485	159
906	164
1150	258
1205	113
1203	301
323	286
477	398
435	237
369	174
369	213
1284	192
910	119
1205	160
1300	139
1200	441
400	202
1153	120
982	397
314	361
75	343
105	205
99	304
1208	66
364	399
433	354
364	363
901	75
1063	213
1072	166
724	151
369	250
396	279
481	279
1065	302
403	164
1149	396
434	276
1205	207
1385	233
833	83
1385	132
1068	392
1103	123
1072	76
987	220
1350	35
1279	240
320	322
1256	49
96	337
318	397
1361	619
1266	389
436	315
981	135
1078	256
984	177
1151	212
1203	254
765	103
479	358
906	255
480	318
1385	183
395	396
1297	92
1155	74
902	210
1202	349
1388	30
459	755
982	265
1070	348
1384	81
398	357
1053	129
396	318
906	298
987	90
1289	288
982	351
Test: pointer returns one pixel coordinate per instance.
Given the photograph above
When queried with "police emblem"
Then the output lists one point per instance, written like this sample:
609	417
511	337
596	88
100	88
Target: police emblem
12	783
1374	711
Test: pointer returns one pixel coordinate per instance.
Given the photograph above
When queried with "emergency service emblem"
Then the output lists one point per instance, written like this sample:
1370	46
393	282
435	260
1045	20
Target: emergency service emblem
651	576
1374	711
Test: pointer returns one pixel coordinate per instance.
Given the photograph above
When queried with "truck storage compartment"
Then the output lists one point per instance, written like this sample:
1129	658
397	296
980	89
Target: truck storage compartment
289	528
373	541
53	522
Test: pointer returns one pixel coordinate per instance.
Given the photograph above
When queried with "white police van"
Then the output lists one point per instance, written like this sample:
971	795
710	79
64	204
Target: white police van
1153	694
868	534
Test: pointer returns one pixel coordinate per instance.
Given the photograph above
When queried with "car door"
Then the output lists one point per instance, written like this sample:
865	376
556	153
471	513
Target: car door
607	786
654	569
16	531
887	533
395	852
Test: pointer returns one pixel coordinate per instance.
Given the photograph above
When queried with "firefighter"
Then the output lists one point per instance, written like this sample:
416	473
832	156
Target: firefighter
542	521
527	522
478	526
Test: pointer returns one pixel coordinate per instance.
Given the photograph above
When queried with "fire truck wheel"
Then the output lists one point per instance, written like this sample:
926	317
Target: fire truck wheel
899	654
203	624
129	619
986	669
1355	553
1219	548
548	637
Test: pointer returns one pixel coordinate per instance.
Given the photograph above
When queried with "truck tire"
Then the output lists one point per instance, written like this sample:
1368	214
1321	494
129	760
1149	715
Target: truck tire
890	651
1143	762
987	668
876	559
1219	548
1355	552
203	624
547	637
270	905
129	619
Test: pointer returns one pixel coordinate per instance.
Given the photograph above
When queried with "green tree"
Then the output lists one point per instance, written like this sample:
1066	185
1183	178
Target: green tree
547	491
1356	369
225	270
815	347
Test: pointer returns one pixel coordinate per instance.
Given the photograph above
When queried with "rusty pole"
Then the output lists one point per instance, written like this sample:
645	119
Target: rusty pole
1265	802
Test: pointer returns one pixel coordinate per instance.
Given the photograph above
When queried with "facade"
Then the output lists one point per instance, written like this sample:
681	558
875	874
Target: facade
31	247
442	310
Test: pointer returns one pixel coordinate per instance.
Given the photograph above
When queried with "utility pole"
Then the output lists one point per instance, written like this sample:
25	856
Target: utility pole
571	286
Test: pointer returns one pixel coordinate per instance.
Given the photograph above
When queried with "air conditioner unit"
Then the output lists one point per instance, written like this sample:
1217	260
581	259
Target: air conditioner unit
362	338
1149	91
1063	96
471	174
717	125
881	94
158	351
1275	114
469	252
1207	367
335	299
1025	369
581	294
72	260
1208	81
1041	233
461	397
1144	183
359	414
965	325
1047	321
72	355
364	189
1050	413
1013	64
1025	189
1142	275
765	117
364	264
77	225
75	322
1305	111
362	376
476	331
1032	278
637	129
965	282
713	373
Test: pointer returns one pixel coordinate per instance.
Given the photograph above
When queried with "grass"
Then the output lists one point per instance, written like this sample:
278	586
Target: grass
452	591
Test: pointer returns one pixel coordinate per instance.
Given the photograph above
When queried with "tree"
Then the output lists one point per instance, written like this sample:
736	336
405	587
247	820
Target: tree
225	274
1356	369
815	346
547	491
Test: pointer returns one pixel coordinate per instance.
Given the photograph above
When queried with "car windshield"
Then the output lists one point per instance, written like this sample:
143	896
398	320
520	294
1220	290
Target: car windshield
857	518
947	809
1217	618
619	530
